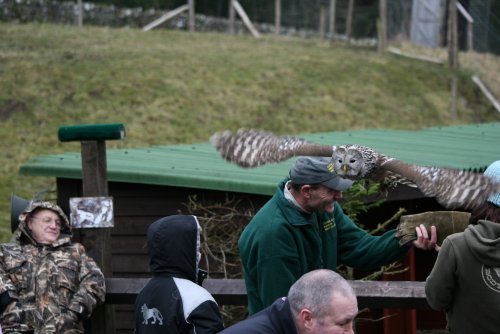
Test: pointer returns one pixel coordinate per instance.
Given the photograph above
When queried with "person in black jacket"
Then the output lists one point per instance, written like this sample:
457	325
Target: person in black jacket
172	301
320	302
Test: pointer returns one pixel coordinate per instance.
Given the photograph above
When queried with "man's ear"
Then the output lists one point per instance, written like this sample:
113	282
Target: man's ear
306	318
305	190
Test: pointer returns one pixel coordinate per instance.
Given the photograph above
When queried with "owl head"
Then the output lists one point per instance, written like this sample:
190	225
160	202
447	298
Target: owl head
353	161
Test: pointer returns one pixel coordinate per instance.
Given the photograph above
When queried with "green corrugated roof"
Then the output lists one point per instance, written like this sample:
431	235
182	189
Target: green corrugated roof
470	147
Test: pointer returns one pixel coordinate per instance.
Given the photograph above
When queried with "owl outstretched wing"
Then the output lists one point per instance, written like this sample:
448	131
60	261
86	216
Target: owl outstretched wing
253	148
452	188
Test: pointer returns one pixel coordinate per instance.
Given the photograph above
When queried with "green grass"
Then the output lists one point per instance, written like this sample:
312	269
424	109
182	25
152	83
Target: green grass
177	87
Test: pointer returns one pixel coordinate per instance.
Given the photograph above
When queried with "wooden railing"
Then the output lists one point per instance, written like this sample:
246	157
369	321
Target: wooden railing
372	294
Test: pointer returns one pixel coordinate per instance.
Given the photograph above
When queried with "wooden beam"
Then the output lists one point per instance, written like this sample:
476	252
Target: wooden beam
470	22
244	17
486	92
398	52
165	17
372	294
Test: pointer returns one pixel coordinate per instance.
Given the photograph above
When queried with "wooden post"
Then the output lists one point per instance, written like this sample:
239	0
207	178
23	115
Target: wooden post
94	184
331	26
348	22
322	19
382	43
191	15
277	16
79	19
453	54
231	17
97	240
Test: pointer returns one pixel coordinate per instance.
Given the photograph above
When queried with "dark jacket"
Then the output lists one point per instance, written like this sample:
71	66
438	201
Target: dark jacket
465	280
275	319
47	288
282	243
171	302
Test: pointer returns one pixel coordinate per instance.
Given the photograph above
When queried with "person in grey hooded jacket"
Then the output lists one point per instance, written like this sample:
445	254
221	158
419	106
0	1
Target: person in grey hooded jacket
173	301
465	280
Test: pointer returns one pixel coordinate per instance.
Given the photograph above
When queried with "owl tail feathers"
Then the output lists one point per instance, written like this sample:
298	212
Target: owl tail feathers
446	223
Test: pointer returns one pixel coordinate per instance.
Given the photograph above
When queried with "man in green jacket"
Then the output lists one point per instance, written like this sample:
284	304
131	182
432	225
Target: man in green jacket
302	228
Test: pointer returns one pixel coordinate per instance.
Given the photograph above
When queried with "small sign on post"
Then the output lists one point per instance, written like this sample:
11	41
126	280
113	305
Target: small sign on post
95	239
91	212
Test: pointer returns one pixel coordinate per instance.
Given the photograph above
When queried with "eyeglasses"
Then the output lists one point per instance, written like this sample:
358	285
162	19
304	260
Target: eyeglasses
48	221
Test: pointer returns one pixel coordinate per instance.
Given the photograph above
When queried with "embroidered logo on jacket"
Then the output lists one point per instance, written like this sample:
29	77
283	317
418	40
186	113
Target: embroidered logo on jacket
148	313
491	276
328	224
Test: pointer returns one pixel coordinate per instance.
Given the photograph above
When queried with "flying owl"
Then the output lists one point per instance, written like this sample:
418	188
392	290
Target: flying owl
452	188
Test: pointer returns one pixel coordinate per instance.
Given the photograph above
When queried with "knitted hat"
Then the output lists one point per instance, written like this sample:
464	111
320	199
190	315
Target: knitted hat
493	171
314	170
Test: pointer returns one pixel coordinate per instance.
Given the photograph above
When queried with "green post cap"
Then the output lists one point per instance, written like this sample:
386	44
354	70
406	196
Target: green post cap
91	132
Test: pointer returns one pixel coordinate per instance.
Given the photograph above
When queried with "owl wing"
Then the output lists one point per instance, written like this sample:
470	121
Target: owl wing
252	148
452	188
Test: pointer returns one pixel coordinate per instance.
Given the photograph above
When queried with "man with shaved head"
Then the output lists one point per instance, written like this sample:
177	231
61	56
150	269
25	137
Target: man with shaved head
321	301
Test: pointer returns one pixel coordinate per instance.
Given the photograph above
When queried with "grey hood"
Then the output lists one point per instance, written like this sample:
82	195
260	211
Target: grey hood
483	241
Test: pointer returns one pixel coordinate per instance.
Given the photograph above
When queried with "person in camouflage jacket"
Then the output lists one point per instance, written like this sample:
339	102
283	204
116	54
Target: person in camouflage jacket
47	283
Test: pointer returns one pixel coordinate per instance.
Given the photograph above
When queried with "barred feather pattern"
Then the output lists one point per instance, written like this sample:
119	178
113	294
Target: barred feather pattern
253	148
456	188
452	188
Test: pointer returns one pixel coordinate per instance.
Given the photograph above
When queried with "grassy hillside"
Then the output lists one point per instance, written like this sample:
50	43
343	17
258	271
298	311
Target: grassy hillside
176	87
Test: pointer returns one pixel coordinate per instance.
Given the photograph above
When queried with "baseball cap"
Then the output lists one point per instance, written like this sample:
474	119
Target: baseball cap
318	170
493	171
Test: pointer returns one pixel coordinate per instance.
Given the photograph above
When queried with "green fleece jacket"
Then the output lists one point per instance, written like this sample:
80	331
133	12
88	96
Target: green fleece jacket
281	243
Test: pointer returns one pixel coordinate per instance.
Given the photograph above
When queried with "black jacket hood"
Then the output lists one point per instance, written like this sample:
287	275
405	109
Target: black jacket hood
174	243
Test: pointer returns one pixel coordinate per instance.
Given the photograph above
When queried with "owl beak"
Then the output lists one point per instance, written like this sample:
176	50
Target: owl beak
345	169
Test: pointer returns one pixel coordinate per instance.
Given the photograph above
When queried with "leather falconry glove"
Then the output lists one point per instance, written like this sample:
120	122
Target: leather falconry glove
446	223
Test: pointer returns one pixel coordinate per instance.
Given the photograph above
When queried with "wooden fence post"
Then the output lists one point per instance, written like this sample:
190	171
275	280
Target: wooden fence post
453	54
79	17
348	22
232	15
331	26
382	27
322	19
191	15
94	183
277	16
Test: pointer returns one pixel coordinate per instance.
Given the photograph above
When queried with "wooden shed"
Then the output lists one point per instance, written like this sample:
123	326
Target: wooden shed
151	182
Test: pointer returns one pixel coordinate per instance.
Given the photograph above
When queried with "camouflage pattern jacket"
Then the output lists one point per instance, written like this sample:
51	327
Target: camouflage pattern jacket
52	288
